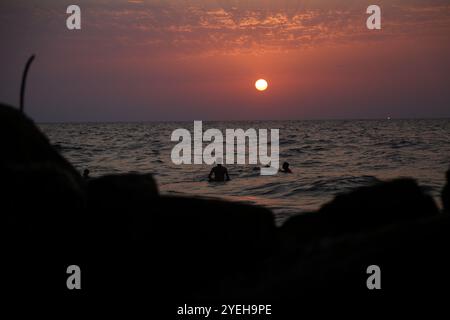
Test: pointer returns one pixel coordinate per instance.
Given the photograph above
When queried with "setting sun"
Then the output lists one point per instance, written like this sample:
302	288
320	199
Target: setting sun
261	84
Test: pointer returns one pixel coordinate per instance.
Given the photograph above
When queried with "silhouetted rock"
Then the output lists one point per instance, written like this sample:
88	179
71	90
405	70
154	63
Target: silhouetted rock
122	192
117	206
39	187
445	195
41	224
412	256
22	143
183	245
360	210
377	205
226	233
35	178
40	194
131	241
42	203
217	240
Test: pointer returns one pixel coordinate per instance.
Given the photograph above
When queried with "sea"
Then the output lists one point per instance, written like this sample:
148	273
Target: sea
326	157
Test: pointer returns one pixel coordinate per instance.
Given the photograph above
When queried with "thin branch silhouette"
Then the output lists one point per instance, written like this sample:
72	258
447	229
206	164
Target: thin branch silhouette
24	80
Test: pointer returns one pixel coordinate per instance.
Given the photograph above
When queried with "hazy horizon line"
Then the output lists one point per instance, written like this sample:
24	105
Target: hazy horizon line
256	120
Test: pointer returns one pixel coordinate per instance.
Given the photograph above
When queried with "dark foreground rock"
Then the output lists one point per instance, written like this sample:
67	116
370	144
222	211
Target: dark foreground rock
362	210
445	195
412	257
23	144
124	192
42	204
33	174
132	242
39	187
185	247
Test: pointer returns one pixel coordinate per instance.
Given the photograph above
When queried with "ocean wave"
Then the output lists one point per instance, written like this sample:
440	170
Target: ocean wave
326	157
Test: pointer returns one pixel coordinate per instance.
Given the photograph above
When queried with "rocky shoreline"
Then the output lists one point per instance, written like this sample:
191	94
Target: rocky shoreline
128	239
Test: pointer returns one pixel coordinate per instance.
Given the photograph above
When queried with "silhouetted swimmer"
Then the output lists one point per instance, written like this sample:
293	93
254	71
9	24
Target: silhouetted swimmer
446	194
220	173
285	168
86	174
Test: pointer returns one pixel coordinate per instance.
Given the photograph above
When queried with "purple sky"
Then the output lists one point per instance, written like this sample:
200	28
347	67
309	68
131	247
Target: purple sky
198	59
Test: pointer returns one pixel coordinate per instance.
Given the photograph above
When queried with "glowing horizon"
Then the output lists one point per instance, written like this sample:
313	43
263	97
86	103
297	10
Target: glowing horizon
187	60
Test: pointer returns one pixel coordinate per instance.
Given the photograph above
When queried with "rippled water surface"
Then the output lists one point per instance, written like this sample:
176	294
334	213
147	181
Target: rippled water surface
326	157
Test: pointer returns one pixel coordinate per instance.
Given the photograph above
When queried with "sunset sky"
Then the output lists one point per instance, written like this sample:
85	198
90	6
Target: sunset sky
199	59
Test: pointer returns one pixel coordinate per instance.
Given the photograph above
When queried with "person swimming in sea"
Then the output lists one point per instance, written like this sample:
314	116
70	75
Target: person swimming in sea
285	168
219	172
